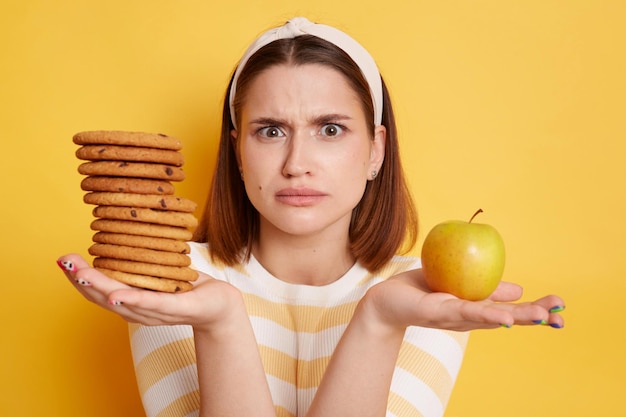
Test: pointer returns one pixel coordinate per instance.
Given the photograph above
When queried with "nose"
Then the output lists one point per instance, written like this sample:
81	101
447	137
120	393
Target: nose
298	156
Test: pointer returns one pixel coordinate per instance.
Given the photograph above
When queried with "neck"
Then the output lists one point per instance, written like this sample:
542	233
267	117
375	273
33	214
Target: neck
304	260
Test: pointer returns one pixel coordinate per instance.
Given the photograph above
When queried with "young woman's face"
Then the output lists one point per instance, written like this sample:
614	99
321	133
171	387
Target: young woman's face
304	150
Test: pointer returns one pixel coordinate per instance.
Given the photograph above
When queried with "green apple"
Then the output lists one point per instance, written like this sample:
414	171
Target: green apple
463	258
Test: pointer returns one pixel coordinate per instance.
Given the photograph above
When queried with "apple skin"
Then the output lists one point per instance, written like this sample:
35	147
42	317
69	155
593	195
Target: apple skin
464	259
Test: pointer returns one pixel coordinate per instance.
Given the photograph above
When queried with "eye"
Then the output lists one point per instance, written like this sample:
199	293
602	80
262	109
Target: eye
331	129
271	132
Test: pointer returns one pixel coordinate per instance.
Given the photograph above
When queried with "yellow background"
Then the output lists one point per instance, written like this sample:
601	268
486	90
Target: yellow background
513	106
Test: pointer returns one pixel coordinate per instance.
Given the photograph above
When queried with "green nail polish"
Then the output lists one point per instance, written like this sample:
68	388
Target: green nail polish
557	309
506	326
542	322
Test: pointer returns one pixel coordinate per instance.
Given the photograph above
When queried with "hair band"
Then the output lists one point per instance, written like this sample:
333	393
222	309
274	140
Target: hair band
299	26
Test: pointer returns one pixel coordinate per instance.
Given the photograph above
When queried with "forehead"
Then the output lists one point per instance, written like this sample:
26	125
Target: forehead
301	85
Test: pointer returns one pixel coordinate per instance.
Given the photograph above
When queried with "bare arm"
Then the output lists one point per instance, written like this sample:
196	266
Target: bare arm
231	376
358	378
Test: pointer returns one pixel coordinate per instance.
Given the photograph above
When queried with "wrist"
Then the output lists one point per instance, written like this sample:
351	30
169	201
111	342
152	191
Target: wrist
227	316
372	315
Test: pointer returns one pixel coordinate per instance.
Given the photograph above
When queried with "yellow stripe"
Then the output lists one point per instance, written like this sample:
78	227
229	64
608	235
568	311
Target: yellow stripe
427	368
240	269
301	373
396	266
401	407
163	361
182	406
390	269
300	318
132	328
460	337
283	412
367	278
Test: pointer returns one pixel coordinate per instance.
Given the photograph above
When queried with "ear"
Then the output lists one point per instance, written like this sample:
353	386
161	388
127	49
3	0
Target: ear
233	137
377	153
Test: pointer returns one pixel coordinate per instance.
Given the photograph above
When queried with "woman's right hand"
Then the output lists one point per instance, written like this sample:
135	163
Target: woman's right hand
229	363
210	302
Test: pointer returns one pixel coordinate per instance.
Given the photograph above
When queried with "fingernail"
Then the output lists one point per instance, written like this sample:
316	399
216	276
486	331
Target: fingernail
506	326
556	325
540	322
83	282
66	265
556	309
115	303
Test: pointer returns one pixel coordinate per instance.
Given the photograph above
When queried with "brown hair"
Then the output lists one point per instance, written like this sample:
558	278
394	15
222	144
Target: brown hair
384	220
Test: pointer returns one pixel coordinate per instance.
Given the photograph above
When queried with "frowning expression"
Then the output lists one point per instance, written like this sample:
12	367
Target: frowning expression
304	149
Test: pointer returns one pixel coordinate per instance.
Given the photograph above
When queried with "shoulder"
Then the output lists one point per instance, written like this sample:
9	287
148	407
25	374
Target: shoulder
201	260
399	264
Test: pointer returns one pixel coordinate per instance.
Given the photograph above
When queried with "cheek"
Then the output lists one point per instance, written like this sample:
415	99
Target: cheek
251	162
358	164
255	170
254	189
351	172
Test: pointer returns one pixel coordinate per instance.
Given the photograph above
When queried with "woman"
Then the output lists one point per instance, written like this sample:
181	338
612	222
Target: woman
303	306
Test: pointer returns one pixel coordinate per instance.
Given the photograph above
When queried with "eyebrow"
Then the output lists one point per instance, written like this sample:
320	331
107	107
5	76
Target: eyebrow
330	118
318	120
267	121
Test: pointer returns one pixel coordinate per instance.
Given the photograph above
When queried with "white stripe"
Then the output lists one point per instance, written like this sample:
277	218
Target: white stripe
305	398
147	339
302	345
200	258
273	335
168	389
439	344
283	394
417	393
313	346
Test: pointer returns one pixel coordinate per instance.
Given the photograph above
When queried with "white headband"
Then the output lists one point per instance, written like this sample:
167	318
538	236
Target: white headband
301	26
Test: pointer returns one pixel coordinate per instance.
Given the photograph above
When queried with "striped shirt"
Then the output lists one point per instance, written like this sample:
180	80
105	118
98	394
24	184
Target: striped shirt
297	328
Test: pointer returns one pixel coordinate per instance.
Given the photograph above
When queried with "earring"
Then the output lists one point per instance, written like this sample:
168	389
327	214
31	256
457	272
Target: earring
374	174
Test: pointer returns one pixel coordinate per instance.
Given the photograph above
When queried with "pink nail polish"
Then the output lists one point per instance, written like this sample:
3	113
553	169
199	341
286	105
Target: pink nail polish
66	265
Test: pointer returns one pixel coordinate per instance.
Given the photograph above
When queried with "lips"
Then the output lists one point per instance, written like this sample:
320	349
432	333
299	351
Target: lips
300	197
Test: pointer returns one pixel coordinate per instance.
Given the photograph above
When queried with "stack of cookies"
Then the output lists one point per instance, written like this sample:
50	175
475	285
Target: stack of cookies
142	228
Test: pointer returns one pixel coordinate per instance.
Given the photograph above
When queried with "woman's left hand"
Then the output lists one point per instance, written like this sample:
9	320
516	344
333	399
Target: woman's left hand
405	300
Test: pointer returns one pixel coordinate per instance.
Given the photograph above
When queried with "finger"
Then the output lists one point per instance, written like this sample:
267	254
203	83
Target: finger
136	312
104	291
73	266
492	317
70	264
506	292
150	307
551	306
542	311
469	315
555	319
172	304
145	300
552	303
91	283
